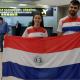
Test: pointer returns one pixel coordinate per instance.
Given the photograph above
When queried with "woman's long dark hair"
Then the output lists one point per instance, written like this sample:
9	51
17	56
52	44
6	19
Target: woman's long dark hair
41	24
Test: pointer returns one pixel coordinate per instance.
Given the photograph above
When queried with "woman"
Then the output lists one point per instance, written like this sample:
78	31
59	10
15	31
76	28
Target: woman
37	28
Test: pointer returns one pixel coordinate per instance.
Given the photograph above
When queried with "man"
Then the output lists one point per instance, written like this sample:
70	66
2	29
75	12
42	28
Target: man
71	23
18	26
4	29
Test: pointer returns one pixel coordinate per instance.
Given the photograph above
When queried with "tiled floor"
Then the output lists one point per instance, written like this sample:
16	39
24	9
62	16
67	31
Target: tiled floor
5	78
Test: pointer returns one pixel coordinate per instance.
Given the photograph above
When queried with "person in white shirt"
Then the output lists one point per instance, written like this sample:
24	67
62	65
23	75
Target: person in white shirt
37	28
71	23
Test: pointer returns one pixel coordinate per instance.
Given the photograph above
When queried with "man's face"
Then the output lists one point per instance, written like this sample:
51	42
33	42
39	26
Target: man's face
73	9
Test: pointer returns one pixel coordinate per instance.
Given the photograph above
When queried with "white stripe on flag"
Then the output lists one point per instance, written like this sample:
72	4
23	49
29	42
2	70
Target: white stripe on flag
50	60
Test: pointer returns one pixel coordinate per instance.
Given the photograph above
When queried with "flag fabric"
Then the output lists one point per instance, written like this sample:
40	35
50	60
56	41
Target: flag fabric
50	58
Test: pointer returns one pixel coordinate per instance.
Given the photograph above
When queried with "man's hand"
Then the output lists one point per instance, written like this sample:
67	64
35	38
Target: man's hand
5	35
59	34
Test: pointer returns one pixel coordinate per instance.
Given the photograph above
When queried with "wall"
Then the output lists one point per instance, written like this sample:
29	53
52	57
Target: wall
22	19
55	20
66	11
60	14
78	13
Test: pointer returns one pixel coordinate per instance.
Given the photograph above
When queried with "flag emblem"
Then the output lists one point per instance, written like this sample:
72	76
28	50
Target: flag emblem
38	60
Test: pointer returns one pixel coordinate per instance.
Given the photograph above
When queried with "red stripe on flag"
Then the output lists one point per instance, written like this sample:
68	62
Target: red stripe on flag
43	45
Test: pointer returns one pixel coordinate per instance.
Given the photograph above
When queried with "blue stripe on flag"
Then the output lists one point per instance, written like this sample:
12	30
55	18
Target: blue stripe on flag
74	28
65	72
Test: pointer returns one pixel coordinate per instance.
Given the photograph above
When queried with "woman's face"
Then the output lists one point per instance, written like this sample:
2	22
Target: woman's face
37	19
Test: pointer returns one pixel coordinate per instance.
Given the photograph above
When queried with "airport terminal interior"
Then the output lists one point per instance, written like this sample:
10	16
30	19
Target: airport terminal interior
22	11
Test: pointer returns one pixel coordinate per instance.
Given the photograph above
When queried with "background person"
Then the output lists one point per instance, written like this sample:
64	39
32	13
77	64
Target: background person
4	29
18	26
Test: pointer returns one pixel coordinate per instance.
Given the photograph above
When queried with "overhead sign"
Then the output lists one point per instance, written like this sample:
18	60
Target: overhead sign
25	11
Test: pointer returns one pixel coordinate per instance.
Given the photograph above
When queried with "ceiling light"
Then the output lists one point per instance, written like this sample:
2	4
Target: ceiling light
42	5
22	5
12	7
